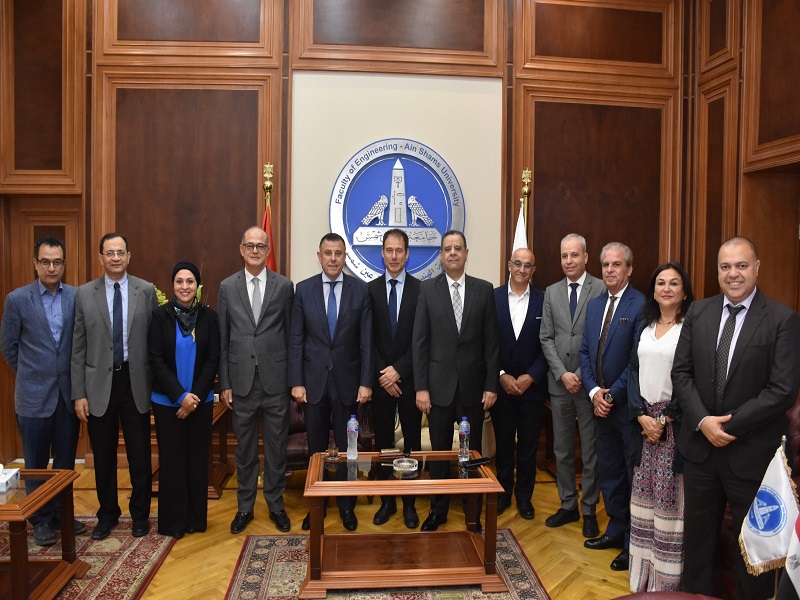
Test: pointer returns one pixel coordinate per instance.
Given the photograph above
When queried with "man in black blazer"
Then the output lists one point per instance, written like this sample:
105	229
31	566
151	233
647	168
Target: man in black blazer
330	354
734	408
454	351
517	415
394	302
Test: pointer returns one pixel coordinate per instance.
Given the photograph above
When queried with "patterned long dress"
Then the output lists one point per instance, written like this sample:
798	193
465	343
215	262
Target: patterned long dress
656	547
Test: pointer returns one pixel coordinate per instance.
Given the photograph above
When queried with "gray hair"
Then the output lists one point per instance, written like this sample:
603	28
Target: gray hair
575	236
617	246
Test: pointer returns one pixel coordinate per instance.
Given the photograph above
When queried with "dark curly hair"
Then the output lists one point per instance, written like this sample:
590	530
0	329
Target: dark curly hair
651	312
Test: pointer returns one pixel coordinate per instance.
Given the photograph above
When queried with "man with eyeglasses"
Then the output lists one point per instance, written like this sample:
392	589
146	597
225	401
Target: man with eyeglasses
517	414
255	305
111	381
36	341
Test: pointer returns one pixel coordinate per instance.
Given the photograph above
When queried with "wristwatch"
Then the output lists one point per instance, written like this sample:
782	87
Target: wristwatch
662	420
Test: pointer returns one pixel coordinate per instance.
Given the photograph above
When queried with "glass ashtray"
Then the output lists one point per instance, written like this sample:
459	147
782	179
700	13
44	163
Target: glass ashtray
405	464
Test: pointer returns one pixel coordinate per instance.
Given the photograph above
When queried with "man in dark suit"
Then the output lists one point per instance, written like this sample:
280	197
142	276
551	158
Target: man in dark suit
454	352
611	320
113	388
561	334
330	354
517	415
736	372
394	303
254	312
36	341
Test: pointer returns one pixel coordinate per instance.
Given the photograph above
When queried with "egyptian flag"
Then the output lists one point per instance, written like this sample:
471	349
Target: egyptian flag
267	226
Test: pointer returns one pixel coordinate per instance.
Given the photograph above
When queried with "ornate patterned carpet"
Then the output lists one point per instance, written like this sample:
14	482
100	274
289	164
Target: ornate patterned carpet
273	566
120	566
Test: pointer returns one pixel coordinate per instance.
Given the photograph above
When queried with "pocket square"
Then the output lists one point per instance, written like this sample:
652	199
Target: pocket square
624	320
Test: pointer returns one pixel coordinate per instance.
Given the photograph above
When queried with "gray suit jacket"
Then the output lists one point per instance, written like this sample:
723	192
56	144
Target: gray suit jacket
41	365
560	335
243	339
92	356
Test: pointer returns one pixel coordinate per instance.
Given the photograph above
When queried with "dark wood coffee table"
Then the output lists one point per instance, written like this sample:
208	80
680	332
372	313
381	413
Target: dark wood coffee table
41	579
391	560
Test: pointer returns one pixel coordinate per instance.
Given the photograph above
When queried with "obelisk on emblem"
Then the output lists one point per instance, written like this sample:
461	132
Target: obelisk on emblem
397	203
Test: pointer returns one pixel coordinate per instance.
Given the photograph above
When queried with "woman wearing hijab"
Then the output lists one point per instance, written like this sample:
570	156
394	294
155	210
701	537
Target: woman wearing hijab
184	349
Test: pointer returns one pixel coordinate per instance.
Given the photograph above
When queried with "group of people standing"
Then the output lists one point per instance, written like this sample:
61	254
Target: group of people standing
679	405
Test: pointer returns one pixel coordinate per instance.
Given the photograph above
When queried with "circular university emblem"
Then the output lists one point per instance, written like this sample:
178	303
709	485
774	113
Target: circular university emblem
767	514
396	183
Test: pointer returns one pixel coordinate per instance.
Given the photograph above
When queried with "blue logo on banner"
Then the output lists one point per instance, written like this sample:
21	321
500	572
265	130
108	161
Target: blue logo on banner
767	514
396	183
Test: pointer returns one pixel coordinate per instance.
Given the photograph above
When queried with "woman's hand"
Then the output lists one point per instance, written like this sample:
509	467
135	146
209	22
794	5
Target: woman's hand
651	428
189	404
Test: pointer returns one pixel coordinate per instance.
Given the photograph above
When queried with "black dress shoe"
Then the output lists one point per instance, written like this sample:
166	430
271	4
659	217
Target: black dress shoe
503	502
175	534
433	521
525	509
564	516
190	530
78	527
306	522
590	527
349	520
621	563
603	542
142	528
240	521
103	529
281	519
43	535
386	510
410	517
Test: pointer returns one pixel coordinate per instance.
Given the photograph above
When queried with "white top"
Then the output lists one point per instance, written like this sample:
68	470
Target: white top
518	307
655	363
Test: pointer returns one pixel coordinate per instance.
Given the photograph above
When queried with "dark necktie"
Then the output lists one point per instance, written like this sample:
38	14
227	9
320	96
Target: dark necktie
573	300
723	351
332	308
393	306
116	327
603	336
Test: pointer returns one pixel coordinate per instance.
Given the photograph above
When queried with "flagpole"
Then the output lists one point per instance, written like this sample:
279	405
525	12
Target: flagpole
526	191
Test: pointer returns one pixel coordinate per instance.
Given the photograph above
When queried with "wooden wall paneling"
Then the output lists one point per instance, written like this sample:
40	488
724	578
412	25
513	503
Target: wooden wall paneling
769	214
606	165
223	32
178	166
718	26
42	72
444	37
771	71
599	40
715	194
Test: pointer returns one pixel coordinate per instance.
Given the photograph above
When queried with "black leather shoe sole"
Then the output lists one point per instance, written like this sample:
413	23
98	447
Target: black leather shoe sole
141	529
281	520
240	521
103	529
383	514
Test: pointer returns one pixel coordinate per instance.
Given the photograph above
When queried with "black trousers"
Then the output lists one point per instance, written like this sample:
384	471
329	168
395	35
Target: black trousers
104	433
517	422
384	407
183	446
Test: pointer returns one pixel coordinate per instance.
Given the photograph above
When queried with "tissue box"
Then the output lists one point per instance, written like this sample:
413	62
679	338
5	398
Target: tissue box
8	478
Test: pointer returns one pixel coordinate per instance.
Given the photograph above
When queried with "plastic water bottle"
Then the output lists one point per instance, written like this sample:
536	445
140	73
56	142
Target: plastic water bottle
352	438
463	440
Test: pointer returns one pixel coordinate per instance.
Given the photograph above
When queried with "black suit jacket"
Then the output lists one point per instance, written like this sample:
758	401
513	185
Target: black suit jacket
763	380
161	348
523	354
443	358
395	351
311	348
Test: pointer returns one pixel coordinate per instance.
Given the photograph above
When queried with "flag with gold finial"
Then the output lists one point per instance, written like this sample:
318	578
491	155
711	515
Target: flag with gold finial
266	224
520	234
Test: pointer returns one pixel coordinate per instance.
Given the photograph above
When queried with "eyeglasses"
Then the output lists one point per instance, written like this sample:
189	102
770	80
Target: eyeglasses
521	265
250	247
57	263
113	253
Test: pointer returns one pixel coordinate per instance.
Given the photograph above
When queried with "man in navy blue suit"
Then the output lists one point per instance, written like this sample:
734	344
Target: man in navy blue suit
517	414
330	354
36	341
611	320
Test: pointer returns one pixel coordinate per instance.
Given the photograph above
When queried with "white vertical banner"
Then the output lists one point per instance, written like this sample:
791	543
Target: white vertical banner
425	129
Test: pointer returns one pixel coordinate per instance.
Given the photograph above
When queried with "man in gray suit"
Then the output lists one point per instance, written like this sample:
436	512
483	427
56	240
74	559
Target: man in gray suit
561	335
113	388
36	341
255	306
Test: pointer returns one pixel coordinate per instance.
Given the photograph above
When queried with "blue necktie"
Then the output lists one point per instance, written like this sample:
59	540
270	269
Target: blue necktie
116	327
393	307
332	308
573	300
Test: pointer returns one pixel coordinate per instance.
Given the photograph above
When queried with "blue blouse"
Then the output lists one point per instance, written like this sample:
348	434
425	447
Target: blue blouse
185	355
